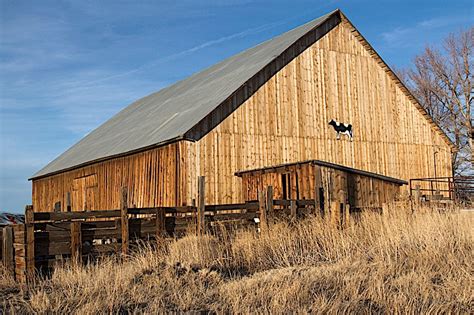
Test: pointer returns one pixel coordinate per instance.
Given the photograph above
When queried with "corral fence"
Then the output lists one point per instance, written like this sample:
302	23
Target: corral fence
51	238
456	189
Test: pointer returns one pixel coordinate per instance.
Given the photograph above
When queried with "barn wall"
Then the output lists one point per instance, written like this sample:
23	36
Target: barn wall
152	178
286	121
299	182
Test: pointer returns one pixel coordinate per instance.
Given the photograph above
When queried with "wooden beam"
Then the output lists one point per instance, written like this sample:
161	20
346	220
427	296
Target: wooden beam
8	258
293	209
30	244
347	214
124	220
76	243
269	203
335	207
75	215
417	194
318	208
160	224
262	211
201	206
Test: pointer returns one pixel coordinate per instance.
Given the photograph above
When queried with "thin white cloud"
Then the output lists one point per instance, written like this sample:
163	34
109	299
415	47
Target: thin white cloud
161	60
403	36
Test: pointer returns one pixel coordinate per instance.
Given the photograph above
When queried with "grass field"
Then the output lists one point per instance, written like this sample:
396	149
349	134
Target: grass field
396	263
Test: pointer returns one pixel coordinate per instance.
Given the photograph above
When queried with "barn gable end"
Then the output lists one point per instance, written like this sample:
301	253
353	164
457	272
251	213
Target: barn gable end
286	121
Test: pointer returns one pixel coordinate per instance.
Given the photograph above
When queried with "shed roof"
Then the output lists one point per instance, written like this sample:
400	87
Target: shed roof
168	114
282	167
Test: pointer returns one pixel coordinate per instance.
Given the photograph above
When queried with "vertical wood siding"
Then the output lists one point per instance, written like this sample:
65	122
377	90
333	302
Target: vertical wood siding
152	178
286	121
298	182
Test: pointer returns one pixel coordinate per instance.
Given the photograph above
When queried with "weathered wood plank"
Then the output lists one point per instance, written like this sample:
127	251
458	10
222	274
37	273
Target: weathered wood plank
293	209
76	242
201	228
269	202
77	215
262	211
7	249
124	220
30	243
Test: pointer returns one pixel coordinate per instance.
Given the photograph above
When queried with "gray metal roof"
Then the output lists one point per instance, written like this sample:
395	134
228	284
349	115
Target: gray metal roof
168	114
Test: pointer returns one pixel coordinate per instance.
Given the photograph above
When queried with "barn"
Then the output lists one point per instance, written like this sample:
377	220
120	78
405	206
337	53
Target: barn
263	111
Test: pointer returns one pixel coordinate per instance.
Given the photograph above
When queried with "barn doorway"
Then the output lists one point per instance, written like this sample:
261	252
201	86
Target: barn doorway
84	192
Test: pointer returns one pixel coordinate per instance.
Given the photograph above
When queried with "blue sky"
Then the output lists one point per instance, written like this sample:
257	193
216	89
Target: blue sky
67	66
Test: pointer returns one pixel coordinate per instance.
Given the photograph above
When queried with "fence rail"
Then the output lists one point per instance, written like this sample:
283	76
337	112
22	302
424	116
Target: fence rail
459	188
49	238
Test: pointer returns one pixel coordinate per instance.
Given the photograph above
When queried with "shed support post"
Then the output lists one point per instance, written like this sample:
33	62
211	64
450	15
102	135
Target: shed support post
334	207
124	220
269	203
417	194
328	193
347	214
293	209
30	244
201	228
76	243
318	208
262	211
8	258
160	223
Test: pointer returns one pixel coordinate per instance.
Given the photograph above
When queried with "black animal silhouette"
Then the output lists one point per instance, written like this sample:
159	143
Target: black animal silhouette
342	128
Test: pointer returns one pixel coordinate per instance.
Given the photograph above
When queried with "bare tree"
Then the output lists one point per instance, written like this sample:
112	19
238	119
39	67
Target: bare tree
443	81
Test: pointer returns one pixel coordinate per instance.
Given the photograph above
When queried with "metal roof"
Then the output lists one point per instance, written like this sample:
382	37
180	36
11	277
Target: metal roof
167	115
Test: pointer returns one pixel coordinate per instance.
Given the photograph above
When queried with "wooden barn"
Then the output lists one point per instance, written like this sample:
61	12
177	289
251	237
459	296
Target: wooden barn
263	112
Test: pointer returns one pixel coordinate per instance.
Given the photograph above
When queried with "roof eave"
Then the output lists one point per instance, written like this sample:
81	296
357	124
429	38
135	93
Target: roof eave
111	157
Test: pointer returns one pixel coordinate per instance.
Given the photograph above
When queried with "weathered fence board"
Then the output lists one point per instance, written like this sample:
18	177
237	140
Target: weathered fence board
55	238
7	248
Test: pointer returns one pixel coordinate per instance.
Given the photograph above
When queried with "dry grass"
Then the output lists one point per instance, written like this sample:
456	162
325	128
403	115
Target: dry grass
400	263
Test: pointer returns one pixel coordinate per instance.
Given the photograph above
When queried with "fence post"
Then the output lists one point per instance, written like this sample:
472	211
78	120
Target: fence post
269	203
328	193
7	249
317	191
417	194
30	243
201	206
347	214
262	211
160	223
293	209
124	220
76	243
335	208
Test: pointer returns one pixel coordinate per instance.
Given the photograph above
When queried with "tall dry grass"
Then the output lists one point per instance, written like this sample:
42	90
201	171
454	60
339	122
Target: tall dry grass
397	262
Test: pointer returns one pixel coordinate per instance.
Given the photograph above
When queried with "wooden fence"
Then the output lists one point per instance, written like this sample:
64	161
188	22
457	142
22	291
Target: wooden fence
49	238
